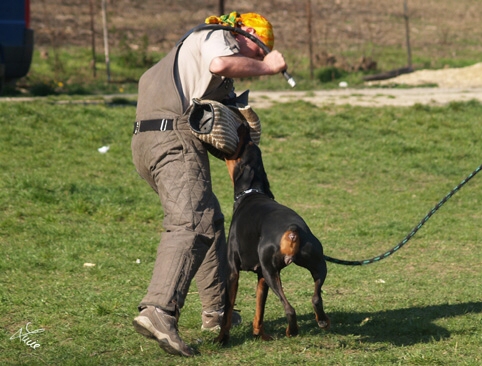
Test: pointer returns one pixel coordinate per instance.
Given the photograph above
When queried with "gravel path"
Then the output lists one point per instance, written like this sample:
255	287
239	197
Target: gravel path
454	85
372	97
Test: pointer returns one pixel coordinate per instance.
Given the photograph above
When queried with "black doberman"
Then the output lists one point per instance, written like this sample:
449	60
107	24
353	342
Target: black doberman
264	237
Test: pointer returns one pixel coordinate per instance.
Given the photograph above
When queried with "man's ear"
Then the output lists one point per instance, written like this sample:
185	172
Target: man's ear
250	30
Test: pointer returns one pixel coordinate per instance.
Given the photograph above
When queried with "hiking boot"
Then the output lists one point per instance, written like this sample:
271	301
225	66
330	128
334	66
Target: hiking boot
212	320
158	324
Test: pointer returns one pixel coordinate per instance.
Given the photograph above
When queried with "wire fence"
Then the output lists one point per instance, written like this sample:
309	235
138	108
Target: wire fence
321	28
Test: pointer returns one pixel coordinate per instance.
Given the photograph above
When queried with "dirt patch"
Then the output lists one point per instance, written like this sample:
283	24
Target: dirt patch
448	85
466	77
372	97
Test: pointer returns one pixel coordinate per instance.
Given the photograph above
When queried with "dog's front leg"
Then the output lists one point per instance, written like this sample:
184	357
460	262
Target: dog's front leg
261	296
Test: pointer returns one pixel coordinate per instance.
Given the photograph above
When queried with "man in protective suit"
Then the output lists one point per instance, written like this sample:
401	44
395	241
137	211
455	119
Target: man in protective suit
175	163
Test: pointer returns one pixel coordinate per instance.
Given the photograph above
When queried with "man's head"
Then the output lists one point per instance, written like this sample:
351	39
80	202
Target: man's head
262	27
251	22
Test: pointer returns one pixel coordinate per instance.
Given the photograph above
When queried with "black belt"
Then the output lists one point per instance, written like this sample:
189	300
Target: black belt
153	125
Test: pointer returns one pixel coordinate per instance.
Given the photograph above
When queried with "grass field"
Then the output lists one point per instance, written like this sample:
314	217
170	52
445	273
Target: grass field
362	178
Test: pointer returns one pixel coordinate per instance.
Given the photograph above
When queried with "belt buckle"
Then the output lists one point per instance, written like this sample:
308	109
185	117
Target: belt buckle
137	127
163	126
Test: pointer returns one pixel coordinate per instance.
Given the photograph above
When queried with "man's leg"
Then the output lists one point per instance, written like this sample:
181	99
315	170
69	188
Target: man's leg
178	258
177	168
211	279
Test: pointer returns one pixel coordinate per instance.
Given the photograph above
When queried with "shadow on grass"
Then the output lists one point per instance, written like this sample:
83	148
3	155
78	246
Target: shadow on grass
400	327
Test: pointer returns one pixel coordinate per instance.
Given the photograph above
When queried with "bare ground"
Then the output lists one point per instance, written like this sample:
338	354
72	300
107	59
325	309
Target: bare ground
451	85
372	97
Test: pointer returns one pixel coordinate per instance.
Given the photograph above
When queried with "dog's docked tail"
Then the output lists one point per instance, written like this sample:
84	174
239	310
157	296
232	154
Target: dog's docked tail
290	243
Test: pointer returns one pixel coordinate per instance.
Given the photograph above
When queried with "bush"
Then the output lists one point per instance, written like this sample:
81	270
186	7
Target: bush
331	73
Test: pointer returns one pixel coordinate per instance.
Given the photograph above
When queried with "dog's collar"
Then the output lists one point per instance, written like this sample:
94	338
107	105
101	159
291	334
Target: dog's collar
247	192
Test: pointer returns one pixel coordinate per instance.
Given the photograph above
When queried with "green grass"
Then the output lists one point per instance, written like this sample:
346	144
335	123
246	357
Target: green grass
361	178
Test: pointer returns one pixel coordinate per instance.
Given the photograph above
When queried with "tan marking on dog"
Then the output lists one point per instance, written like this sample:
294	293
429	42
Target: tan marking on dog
231	164
289	245
231	161
258	327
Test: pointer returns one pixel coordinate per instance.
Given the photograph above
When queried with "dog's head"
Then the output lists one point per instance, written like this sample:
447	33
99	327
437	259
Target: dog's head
246	167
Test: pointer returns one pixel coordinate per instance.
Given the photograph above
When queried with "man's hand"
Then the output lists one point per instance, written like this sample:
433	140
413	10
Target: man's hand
275	61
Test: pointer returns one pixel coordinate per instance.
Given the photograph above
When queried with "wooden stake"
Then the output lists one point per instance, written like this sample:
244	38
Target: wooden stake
106	40
310	37
92	31
221	7
407	33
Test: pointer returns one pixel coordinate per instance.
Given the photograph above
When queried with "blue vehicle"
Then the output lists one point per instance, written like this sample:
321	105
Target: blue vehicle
16	40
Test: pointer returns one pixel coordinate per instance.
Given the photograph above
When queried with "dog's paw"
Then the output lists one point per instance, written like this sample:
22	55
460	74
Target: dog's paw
263	336
222	339
324	324
292	331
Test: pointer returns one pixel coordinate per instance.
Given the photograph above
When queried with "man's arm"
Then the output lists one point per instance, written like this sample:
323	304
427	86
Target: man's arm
238	66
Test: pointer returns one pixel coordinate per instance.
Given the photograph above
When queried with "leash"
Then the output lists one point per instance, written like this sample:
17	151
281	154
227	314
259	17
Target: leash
412	233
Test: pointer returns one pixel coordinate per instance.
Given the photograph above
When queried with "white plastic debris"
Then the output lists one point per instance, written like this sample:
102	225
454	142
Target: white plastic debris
138	261
89	264
103	149
343	84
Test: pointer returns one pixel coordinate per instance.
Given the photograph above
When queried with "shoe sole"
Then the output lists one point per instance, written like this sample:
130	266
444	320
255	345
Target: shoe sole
144	326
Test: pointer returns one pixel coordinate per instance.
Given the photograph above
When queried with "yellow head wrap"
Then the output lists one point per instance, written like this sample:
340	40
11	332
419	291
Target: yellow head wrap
263	28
